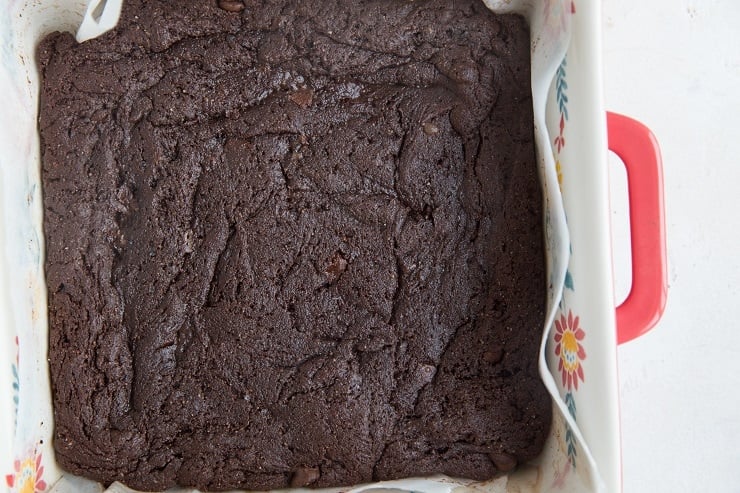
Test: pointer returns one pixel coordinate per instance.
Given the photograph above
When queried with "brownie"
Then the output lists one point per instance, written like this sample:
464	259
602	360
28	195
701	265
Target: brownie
293	243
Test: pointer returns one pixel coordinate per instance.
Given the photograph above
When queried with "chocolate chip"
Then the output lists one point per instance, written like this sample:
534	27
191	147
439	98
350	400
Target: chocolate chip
503	461
302	97
304	476
493	355
337	265
430	128
231	5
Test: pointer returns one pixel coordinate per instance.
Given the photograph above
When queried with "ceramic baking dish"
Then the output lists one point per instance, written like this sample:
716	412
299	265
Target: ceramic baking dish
582	346
579	353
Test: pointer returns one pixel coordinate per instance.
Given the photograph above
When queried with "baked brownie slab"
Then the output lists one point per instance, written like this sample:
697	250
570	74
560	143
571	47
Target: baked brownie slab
293	243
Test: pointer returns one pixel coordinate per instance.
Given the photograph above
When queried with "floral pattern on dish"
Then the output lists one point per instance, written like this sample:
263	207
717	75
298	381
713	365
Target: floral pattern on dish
568	347
27	476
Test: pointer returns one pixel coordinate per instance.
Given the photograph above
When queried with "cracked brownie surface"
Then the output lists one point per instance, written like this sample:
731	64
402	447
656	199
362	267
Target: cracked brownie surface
293	243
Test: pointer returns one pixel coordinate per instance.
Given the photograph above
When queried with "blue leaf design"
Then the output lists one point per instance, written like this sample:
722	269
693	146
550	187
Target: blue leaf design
570	437
561	87
16	387
569	281
570	401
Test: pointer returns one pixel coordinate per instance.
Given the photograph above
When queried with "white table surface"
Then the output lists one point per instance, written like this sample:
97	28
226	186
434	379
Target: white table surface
675	66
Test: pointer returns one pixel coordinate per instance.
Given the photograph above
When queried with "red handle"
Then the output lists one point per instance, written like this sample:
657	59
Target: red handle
636	145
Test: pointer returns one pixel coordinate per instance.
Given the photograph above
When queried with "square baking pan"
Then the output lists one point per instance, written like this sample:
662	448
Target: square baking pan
578	362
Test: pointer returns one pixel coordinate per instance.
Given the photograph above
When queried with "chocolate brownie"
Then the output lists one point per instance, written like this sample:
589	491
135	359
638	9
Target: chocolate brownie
293	243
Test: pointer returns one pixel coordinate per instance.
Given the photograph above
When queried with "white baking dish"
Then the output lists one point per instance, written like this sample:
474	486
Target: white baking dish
581	129
579	362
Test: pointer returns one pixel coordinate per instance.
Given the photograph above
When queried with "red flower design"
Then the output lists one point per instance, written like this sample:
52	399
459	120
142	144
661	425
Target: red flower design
27	475
568	337
560	139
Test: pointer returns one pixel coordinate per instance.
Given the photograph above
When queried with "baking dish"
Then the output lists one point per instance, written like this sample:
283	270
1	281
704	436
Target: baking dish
583	452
